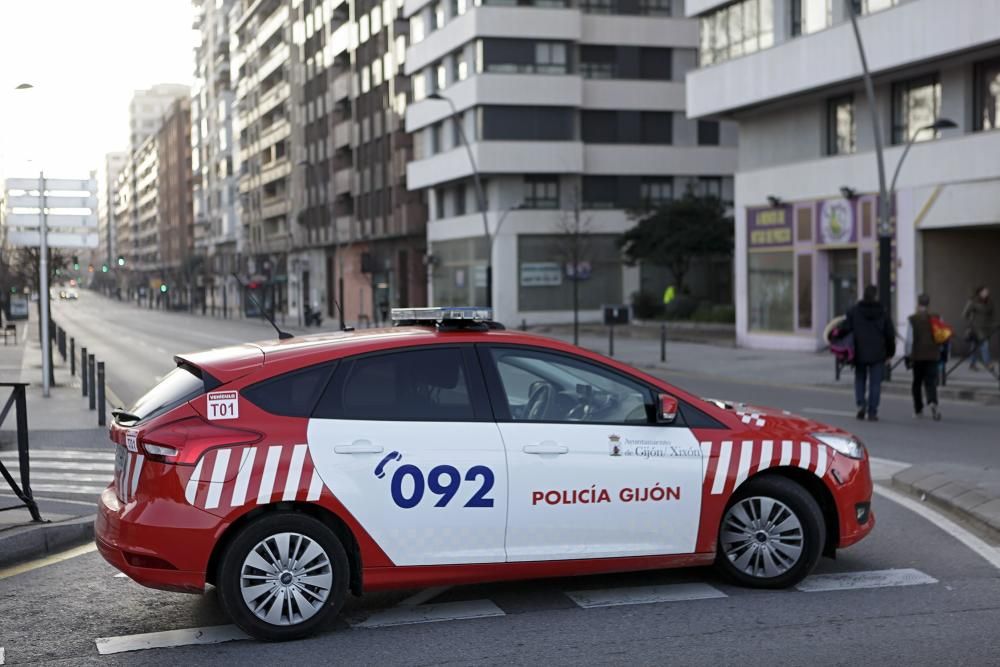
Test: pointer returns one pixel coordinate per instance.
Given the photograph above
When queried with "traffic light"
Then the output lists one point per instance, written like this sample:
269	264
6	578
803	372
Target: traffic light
121	260
104	268
76	263
163	288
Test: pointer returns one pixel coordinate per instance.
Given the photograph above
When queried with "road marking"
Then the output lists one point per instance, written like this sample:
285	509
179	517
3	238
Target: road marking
48	560
50	499
616	597
844	581
61	465
423	596
211	635
88	455
120	575
431	613
990	553
75	489
69	477
828	411
884	469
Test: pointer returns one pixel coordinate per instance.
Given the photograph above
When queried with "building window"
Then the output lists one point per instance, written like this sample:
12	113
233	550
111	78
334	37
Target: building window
600	192
738	29
599	126
655	7
438	203
460	200
841	134
770	292
987	95
869	6
435	138
501	122
597	6
550	58
438	16
656	191
441	76
654	63
460	65
810	16
915	104
708	133
708	186
655	127
541	192
597	62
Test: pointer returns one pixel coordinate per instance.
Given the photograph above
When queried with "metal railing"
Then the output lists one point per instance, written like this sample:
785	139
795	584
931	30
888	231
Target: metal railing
23	492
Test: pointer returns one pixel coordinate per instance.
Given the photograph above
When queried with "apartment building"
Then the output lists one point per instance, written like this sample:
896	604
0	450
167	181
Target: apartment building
107	183
218	234
806	191
176	265
574	116
145	233
265	123
146	109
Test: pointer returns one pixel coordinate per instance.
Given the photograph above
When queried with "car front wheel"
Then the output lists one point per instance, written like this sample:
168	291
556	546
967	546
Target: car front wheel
283	576
771	535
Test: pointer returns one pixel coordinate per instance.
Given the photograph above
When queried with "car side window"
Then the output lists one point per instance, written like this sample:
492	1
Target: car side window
540	386
427	384
291	394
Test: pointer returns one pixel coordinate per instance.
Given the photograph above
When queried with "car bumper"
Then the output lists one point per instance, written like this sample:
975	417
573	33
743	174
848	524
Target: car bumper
853	495
159	543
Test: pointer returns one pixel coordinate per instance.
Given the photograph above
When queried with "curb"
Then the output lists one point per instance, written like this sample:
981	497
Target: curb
981	396
959	499
34	541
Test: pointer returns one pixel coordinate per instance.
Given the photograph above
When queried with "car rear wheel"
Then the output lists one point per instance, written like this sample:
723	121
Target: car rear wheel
771	535
283	576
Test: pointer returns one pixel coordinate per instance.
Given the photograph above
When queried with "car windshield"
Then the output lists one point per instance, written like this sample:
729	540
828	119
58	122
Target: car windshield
177	386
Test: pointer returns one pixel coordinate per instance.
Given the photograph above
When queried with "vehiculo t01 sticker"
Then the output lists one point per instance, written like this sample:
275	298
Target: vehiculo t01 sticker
223	405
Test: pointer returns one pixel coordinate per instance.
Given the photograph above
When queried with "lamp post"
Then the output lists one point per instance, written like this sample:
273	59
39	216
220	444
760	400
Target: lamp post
480	196
939	124
310	171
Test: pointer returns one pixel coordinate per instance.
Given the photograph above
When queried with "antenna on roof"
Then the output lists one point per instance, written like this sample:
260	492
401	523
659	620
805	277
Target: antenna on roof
282	335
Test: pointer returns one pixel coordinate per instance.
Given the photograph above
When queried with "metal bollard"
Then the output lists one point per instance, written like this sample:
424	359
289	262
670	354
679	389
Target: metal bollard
524	324
102	418
611	340
91	381
663	343
72	356
83	370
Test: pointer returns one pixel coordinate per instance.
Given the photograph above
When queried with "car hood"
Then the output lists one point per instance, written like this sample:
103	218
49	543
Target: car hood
775	421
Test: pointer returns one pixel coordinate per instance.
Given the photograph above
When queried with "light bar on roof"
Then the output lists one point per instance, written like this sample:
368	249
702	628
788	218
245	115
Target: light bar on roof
442	314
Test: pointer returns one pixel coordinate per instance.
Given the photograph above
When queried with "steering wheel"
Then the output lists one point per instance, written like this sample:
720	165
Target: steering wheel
539	398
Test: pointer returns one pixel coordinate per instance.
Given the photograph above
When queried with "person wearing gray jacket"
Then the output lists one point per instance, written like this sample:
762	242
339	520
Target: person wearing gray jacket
979	315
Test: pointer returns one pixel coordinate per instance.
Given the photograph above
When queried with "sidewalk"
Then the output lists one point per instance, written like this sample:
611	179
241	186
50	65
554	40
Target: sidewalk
709	350
57	425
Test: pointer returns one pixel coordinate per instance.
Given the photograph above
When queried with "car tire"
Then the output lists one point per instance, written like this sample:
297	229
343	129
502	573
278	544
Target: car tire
771	534
302	570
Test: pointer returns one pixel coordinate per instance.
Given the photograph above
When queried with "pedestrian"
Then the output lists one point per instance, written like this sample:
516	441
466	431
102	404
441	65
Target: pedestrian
874	342
923	355
978	314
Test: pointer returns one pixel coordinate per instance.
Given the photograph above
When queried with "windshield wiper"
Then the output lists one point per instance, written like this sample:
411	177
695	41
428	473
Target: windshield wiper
122	416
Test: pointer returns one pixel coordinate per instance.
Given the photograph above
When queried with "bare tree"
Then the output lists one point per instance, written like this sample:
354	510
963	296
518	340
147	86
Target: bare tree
573	248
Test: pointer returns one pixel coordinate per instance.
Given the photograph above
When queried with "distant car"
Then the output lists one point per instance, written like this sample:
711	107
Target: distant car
449	451
72	294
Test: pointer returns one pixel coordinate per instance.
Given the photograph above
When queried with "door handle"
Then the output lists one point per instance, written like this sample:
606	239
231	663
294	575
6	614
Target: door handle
359	447
546	447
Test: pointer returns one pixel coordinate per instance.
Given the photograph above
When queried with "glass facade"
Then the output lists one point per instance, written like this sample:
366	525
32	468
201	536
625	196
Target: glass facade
770	292
841	129
545	271
986	109
916	103
738	29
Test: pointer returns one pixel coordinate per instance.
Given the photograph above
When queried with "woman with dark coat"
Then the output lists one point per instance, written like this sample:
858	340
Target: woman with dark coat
874	342
979	315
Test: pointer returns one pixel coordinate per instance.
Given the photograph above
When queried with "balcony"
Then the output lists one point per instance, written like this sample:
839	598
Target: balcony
343	181
342	86
274	170
278	130
271	207
910	33
497	157
342	134
273	60
273	97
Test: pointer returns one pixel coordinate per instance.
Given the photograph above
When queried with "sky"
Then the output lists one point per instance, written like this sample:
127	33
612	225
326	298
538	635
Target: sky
84	58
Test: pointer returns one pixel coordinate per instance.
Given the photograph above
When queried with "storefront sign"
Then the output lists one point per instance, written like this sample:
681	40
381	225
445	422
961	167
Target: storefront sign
836	222
541	274
771	226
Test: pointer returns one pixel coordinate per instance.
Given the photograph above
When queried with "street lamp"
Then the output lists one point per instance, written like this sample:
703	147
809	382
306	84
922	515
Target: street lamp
480	197
939	124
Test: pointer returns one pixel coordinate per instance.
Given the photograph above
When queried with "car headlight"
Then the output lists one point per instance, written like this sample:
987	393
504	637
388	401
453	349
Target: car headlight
843	444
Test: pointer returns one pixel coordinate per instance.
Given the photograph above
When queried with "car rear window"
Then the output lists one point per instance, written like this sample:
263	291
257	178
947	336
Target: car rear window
292	394
178	386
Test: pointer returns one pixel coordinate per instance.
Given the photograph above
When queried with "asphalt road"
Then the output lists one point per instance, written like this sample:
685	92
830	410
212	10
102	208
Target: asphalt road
56	613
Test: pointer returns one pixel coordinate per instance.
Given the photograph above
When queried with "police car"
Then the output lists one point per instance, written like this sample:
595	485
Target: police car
446	450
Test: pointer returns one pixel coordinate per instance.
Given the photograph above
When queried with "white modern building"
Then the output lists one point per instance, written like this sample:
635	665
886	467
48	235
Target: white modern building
147	108
574	113
107	184
788	71
218	234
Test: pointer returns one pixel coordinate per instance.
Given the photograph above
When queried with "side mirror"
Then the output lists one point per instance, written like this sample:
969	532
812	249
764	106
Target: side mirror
666	411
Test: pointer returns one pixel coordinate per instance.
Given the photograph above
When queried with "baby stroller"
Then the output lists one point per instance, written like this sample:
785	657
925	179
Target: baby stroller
841	344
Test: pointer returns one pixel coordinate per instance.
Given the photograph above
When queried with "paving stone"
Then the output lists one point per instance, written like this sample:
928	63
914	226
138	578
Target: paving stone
952	490
970	500
935	481
989	513
910	476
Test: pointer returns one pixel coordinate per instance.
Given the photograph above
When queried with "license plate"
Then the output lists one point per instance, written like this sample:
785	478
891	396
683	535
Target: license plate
121	455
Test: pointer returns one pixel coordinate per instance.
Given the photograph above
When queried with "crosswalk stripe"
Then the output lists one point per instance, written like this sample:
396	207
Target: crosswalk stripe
842	581
431	613
617	597
73	489
96	455
210	635
70	477
60	465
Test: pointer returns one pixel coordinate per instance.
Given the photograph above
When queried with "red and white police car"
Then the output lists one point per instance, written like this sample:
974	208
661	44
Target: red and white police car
446	450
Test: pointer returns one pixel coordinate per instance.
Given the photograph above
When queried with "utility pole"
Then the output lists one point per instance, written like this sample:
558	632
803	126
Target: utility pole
43	287
575	254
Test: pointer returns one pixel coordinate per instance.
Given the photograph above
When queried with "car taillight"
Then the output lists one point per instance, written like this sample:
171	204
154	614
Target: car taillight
183	441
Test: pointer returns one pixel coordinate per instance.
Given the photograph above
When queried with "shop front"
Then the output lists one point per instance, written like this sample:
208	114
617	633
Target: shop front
806	263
